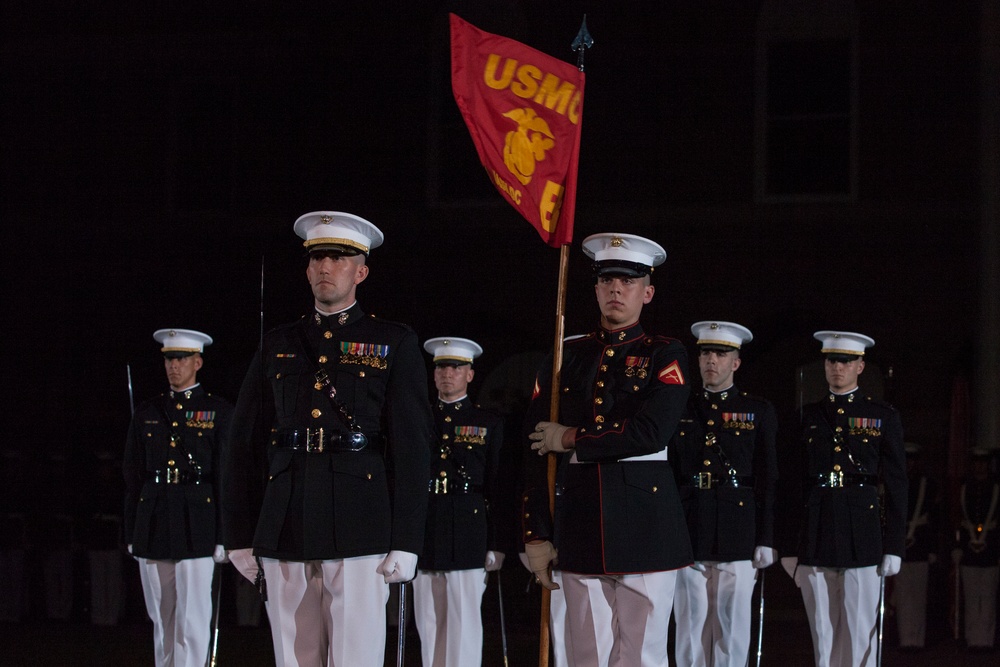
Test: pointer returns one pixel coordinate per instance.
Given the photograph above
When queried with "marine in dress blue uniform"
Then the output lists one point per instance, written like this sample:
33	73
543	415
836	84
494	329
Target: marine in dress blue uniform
724	457
848	533
978	552
326	477
460	544
172	516
618	516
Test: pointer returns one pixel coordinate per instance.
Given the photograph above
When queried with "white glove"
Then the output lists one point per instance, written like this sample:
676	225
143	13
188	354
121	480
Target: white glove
219	555
698	565
548	437
398	567
789	563
764	557
890	565
540	557
494	561
523	557
245	563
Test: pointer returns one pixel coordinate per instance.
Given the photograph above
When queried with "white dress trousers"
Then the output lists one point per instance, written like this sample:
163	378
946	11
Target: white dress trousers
640	606
328	613
598	633
447	609
713	612
178	596
842	607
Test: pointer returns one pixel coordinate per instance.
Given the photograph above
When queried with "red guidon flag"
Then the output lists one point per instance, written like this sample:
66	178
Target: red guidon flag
524	110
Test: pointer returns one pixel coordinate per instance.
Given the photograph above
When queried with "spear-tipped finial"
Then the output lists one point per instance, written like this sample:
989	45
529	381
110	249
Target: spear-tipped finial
581	42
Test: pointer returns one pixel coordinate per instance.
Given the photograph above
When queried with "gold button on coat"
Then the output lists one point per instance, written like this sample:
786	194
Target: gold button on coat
316	413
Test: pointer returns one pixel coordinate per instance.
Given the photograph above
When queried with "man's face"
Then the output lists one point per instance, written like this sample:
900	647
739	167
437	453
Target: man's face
621	299
842	376
717	368
181	371
334	278
452	382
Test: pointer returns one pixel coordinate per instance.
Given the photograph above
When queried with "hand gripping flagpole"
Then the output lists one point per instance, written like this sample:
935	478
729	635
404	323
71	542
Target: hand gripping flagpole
580	44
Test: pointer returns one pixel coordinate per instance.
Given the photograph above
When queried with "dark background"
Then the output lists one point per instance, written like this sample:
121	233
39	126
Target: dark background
155	155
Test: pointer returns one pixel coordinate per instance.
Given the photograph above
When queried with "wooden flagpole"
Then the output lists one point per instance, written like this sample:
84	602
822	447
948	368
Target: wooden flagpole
557	351
582	42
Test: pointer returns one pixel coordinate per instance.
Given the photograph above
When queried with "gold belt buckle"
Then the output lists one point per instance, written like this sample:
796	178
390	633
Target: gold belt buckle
704	480
439	486
836	479
173	475
314	440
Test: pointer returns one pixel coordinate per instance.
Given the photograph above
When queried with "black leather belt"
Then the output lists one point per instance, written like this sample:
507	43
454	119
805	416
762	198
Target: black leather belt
838	480
173	476
706	480
444	485
318	440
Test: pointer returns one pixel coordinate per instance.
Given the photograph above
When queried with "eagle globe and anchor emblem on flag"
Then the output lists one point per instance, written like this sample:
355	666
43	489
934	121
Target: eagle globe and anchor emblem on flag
527	144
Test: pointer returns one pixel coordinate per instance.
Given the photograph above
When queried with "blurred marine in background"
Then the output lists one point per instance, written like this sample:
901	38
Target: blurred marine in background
172	522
